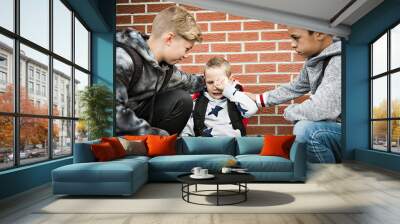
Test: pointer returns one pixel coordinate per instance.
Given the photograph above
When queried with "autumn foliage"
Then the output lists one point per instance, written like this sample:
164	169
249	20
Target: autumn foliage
380	127
33	130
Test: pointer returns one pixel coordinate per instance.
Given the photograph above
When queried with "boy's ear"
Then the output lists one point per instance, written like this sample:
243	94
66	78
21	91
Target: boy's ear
168	37
319	36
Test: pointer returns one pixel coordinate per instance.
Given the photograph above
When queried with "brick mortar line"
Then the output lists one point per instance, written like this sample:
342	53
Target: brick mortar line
221	32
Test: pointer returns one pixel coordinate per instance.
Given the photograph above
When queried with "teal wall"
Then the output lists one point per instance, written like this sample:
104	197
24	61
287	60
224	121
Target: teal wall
24	178
99	16
356	85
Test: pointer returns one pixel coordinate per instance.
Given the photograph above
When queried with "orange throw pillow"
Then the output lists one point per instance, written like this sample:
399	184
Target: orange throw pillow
135	137
116	145
277	145
161	145
103	152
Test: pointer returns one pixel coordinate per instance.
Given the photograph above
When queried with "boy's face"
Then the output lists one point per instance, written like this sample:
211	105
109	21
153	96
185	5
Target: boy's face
177	48
304	43
212	76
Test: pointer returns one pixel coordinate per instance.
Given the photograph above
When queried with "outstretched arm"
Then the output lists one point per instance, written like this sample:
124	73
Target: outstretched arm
286	92
182	80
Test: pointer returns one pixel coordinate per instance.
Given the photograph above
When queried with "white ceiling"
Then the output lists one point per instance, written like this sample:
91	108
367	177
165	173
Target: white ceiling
318	15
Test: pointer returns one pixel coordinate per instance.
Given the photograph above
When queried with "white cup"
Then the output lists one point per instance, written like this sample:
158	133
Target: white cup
203	172
196	170
226	170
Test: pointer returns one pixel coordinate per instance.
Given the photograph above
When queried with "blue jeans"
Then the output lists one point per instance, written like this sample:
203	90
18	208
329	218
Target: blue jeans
322	139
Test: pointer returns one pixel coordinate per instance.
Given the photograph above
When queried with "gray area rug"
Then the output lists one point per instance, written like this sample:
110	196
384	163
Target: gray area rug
166	198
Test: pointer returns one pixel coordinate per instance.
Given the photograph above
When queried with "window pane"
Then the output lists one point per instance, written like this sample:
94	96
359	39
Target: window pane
62	29
81	45
395	47
379	135
33	139
35	21
395	138
34	72
379	55
7	14
81	81
6	74
62	89
395	94
6	142
379	97
62	141
81	131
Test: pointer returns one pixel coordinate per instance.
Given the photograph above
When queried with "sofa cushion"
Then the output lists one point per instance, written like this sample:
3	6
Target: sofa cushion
98	172
206	145
277	145
185	163
257	163
116	145
249	145
161	145
134	147
103	151
83	152
128	159
135	137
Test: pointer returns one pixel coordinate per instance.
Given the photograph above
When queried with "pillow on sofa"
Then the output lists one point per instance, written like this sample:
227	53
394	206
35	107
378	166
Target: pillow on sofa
116	145
277	145
103	151
135	137
134	147
161	145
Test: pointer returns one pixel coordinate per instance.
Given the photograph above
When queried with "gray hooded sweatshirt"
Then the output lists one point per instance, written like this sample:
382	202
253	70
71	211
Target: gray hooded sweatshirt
325	100
152	77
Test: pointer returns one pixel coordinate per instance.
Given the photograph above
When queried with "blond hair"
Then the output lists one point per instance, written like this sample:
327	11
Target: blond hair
218	62
178	20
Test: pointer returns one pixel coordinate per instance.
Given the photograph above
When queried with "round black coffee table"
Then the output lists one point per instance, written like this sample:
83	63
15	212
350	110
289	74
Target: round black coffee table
238	179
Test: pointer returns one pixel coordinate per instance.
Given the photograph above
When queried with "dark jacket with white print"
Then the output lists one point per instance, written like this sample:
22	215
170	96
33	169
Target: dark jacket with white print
129	100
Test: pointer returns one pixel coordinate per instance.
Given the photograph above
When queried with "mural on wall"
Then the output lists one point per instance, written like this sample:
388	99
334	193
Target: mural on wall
160	91
259	62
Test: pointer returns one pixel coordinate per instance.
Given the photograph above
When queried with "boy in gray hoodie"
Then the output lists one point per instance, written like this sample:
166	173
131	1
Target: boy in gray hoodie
317	118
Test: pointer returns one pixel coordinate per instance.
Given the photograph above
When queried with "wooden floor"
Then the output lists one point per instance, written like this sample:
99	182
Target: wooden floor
378	188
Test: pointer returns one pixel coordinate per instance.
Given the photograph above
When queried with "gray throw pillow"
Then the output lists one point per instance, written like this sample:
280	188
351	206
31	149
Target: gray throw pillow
133	147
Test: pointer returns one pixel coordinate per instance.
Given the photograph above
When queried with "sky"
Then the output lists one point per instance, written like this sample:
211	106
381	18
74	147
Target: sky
379	59
34	26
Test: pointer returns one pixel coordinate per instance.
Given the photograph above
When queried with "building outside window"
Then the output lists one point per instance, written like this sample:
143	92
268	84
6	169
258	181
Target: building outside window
30	87
44	78
3	72
3	79
30	72
57	128
385	92
43	90
38	89
37	75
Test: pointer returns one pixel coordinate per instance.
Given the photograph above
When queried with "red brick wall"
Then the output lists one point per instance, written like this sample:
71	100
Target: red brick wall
259	52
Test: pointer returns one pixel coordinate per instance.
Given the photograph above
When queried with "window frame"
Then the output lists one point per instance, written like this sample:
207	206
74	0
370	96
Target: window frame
16	115
388	74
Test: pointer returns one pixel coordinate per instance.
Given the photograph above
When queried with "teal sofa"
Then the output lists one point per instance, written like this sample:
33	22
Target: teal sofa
125	176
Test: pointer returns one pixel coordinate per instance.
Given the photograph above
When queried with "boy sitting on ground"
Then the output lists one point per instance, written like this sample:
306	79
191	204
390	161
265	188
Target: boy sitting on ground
219	111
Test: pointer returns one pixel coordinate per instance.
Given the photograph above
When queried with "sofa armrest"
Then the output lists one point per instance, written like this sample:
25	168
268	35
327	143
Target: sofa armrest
83	152
298	156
